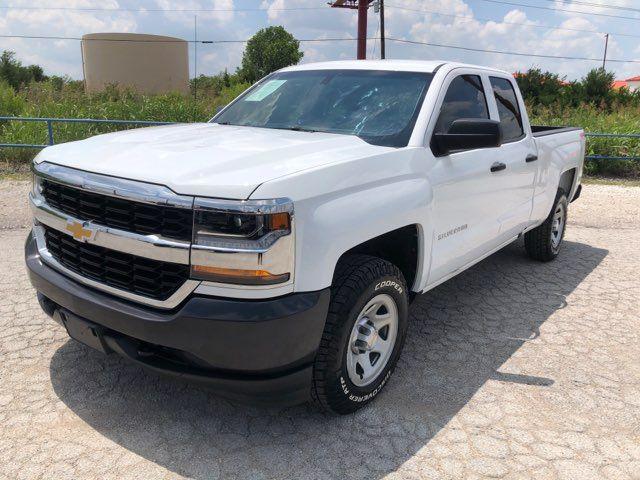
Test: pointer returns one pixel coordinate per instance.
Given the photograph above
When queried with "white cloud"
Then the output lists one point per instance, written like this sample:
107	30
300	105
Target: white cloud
320	20
456	24
59	56
68	22
220	11
453	22
571	6
215	58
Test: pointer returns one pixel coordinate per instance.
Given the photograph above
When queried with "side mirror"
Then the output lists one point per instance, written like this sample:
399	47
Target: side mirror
468	134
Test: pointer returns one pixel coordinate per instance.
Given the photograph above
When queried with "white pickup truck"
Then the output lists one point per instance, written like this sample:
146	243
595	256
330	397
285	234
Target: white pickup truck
272	252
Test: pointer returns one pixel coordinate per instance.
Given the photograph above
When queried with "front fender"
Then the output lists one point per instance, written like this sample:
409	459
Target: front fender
343	205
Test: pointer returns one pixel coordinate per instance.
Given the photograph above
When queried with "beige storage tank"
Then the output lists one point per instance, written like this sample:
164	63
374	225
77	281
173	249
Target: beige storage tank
145	63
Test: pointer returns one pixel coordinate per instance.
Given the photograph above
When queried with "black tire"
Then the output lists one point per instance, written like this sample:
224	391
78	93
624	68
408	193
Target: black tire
358	279
539	242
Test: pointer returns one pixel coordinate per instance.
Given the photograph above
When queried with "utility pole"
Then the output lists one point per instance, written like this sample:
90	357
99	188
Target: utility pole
362	6
195	57
382	50
606	44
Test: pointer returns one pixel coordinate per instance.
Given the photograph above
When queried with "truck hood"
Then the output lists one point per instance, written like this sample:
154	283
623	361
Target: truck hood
207	159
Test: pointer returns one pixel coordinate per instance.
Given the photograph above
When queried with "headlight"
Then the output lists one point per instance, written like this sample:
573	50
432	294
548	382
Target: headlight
36	181
36	185
242	242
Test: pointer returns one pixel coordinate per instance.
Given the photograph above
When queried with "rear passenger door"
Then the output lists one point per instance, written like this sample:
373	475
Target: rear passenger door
515	184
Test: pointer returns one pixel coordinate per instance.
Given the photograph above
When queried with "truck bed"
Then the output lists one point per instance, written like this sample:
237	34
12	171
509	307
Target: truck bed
542	130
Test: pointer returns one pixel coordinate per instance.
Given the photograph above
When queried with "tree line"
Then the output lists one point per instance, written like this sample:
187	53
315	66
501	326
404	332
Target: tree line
270	49
544	89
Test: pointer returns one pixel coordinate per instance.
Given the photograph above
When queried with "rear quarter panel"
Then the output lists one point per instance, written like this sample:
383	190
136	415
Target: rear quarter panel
558	153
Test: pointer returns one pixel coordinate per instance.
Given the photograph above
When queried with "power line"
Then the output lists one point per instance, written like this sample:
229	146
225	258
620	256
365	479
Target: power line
198	10
54	37
504	52
156	10
579	12
336	39
469	17
399	7
601	5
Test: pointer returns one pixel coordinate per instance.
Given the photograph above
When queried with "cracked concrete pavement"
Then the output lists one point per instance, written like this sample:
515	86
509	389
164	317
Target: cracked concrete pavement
513	369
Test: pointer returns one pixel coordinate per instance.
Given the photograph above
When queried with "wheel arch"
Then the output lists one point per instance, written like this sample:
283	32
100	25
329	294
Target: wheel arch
567	181
402	246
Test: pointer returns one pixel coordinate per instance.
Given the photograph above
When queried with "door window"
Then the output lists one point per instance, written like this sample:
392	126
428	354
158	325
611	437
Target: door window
464	99
508	109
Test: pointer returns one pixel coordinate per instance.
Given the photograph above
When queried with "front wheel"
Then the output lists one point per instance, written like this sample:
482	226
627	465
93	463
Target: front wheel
543	242
363	336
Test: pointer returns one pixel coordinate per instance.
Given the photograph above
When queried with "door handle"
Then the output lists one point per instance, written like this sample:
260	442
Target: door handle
531	158
497	166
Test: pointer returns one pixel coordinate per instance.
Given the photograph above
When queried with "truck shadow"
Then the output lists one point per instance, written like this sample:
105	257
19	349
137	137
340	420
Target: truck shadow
460	334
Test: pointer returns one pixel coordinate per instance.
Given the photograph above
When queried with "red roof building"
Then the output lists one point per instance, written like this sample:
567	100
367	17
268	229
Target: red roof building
632	84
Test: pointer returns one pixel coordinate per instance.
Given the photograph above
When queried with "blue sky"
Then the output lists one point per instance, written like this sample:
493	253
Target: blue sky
468	23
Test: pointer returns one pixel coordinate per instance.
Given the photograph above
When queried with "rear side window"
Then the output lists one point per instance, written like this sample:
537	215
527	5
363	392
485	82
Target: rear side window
464	99
508	109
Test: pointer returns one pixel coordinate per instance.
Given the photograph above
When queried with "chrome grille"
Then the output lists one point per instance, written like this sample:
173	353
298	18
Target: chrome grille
136	217
142	276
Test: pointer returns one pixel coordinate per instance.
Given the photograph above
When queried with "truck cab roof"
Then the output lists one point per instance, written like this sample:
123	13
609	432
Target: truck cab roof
427	66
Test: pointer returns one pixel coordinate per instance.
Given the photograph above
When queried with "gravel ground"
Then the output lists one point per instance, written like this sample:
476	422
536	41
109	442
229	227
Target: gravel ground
511	370
14	210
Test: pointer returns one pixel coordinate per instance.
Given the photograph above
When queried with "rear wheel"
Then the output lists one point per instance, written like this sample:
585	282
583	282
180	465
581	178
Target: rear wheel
543	242
363	336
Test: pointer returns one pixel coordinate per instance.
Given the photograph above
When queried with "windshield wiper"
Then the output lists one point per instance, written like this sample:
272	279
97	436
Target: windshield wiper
298	128
295	128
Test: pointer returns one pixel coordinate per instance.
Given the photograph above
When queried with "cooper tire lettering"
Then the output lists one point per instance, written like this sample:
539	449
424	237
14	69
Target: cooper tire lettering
389	283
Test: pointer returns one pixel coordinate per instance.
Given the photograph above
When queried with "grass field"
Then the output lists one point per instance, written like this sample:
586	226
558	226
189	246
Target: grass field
45	100
42	100
618	120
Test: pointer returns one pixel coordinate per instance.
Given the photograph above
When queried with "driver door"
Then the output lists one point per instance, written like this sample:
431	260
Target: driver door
465	189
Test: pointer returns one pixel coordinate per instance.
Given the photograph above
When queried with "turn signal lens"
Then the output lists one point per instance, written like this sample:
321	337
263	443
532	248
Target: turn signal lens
237	276
279	221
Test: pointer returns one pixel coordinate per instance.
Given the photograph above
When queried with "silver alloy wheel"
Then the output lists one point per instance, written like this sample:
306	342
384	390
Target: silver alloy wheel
557	226
372	339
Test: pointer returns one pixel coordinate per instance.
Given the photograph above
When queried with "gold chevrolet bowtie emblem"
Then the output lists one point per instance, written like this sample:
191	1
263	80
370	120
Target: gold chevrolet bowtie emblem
79	231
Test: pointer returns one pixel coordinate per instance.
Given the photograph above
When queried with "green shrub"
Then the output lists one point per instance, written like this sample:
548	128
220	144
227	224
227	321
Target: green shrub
66	100
544	89
11	103
15	74
619	120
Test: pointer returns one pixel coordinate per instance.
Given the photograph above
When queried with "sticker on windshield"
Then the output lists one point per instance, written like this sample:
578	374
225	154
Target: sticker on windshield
265	90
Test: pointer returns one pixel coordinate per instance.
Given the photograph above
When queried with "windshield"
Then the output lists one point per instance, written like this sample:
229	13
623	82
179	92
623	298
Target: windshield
378	106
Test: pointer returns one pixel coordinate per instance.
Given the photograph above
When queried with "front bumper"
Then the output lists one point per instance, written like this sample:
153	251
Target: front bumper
257	350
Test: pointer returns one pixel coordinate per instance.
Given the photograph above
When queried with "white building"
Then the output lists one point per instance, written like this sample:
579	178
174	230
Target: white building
633	83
